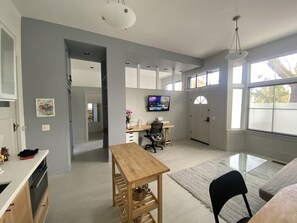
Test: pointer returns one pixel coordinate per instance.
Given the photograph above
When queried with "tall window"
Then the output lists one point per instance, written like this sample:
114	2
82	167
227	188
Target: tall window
273	106
237	92
208	78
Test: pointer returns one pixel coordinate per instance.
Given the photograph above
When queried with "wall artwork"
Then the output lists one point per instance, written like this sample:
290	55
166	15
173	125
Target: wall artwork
45	107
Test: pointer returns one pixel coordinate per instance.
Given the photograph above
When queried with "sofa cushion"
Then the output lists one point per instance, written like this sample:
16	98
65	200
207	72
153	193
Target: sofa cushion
284	177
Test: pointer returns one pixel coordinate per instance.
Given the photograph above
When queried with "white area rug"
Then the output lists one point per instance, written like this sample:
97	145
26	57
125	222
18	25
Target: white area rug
196	181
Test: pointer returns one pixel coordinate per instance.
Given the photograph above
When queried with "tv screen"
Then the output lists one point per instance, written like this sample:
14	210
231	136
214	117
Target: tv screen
158	103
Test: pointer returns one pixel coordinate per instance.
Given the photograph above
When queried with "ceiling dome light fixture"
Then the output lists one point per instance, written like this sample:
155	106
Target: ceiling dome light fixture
118	15
236	54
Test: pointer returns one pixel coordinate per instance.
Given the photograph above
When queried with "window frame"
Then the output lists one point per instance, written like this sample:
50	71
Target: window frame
206	73
241	86
178	76
267	83
176	82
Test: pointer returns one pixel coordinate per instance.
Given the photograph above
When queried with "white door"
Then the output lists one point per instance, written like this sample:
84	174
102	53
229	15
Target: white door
8	127
199	117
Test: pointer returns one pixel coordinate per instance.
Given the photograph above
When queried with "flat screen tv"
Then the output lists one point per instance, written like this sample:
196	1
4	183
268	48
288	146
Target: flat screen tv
158	103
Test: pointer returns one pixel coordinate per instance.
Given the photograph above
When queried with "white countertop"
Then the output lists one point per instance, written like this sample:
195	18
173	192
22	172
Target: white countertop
17	172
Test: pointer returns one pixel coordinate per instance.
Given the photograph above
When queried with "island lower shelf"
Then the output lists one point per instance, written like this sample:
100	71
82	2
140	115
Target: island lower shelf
139	208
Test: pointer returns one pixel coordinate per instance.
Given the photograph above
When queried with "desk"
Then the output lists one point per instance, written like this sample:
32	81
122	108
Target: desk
166	127
281	208
136	167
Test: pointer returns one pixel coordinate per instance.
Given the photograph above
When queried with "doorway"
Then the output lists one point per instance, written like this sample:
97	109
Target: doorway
8	126
200	117
86	68
86	105
94	118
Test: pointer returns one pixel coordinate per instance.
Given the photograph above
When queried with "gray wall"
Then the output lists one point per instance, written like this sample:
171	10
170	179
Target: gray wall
44	69
136	100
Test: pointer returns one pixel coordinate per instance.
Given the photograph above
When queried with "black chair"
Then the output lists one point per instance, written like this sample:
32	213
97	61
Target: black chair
155	135
224	188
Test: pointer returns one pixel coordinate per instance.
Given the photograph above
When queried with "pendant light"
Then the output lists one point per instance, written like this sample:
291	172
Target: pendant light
118	15
236	54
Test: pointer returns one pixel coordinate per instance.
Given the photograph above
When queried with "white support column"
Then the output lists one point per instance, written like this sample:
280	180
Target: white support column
173	76
157	78
138	75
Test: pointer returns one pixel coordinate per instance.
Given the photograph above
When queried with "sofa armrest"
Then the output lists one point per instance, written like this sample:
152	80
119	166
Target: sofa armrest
284	177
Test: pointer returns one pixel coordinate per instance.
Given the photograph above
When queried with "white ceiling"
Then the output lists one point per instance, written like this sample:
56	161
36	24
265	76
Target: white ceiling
199	28
85	73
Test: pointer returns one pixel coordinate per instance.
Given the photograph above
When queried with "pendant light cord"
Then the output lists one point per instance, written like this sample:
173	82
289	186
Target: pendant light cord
236	36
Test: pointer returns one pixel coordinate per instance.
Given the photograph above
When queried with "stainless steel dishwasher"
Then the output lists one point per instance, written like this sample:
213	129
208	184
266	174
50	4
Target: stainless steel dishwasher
38	183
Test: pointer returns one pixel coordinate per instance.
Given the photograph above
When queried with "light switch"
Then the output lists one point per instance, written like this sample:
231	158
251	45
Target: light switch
46	127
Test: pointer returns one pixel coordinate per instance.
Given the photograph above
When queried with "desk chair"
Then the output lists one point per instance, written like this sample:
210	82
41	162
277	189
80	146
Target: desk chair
224	188
155	135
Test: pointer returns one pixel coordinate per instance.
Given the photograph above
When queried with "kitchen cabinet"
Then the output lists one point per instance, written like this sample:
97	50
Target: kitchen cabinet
19	210
7	64
42	209
6	218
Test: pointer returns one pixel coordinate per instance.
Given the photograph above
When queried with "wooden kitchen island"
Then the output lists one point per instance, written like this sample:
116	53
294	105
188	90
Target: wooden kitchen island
132	166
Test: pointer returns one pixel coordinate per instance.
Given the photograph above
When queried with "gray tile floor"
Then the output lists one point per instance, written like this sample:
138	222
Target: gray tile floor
85	195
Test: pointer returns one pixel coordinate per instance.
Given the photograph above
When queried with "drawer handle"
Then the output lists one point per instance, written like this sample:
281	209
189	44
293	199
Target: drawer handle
40	179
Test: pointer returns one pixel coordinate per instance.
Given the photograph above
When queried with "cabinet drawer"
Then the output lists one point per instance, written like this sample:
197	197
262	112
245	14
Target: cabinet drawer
132	137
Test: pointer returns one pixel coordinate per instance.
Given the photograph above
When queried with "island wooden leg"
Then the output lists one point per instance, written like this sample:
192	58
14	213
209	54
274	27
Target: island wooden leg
160	200
113	183
129	206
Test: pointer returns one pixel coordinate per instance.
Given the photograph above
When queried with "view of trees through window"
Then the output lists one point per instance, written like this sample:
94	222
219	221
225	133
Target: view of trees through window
208	78
273	108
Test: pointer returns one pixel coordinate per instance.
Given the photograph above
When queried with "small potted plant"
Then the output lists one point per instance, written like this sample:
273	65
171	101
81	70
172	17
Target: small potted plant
128	117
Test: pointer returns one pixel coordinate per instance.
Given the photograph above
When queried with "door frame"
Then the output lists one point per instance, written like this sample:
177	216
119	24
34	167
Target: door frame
86	109
192	96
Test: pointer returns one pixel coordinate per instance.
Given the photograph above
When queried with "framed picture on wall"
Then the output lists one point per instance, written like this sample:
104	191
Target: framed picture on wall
45	107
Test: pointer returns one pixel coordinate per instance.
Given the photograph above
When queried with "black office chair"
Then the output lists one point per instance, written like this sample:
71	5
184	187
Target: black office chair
224	188
155	135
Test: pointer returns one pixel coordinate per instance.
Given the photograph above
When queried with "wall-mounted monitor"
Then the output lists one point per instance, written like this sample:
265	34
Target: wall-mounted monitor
158	103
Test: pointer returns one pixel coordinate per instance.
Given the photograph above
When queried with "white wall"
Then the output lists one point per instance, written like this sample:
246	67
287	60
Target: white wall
11	18
136	100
